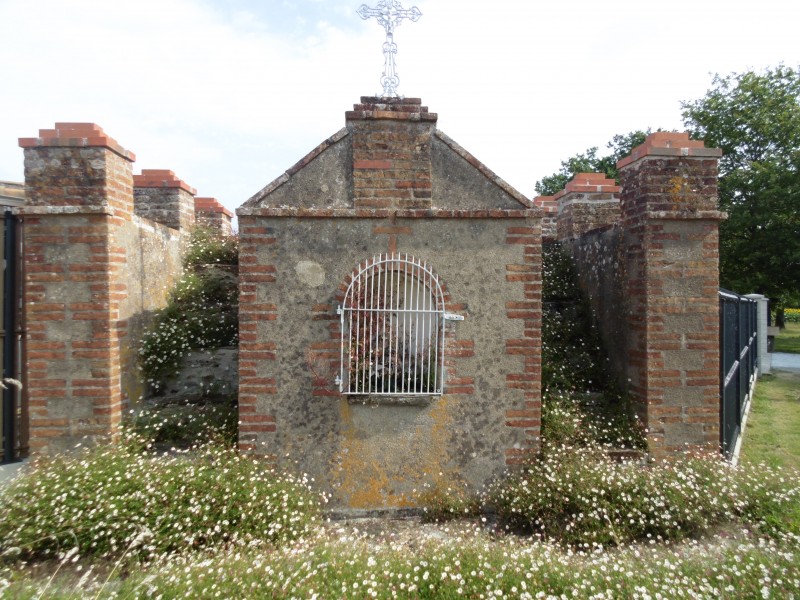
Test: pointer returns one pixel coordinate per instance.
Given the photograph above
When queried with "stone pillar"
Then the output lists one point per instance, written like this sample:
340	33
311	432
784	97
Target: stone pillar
161	197
764	357
549	215
210	213
391	152
589	201
670	224
79	189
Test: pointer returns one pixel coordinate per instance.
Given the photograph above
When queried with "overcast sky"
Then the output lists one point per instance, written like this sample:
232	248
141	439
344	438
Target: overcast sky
229	94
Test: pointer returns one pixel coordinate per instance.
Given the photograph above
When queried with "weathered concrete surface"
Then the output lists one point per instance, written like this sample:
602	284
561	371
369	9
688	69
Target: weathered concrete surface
371	455
153	268
389	183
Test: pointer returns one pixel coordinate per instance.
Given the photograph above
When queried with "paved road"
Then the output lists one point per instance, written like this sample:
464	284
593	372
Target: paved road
7	472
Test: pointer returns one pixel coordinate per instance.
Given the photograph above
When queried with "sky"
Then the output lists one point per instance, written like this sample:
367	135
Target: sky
229	94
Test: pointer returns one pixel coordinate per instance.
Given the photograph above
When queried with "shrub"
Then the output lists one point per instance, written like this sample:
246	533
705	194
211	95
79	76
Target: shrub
581	498
188	424
208	247
441	504
114	499
203	309
582	403
792	315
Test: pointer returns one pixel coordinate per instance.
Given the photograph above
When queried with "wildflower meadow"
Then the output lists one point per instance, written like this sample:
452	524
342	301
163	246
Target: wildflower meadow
131	519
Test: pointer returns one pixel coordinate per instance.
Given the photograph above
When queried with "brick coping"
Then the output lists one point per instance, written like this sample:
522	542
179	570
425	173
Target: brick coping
76	135
387	213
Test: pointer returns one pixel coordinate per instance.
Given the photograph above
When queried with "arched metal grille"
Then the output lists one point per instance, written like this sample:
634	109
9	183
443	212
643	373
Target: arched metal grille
392	324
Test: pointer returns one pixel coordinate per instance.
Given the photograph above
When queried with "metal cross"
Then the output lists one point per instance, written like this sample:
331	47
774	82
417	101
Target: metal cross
389	14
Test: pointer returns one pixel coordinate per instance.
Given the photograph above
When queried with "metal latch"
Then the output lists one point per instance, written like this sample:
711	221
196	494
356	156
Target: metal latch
453	317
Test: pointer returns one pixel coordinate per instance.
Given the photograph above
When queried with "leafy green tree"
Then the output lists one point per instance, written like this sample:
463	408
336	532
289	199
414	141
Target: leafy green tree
755	119
590	162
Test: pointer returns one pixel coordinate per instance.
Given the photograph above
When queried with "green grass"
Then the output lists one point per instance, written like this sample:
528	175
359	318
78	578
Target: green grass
773	428
788	339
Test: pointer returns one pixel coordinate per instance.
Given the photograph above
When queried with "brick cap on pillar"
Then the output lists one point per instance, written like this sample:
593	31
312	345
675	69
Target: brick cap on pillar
588	183
669	144
210	205
397	109
161	178
85	135
547	203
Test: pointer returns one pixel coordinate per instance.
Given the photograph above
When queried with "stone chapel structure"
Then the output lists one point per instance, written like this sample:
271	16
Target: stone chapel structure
387	242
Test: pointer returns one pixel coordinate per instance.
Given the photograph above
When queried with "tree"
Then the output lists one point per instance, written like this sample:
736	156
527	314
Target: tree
755	119
590	162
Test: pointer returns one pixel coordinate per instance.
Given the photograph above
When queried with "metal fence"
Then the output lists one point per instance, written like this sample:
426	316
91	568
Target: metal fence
9	340
738	362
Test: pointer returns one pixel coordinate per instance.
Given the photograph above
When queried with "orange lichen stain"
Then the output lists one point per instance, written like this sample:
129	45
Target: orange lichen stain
680	193
391	469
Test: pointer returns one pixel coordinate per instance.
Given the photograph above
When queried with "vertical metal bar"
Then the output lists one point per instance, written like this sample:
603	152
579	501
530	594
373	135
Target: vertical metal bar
368	332
397	373
404	348
341	347
388	317
9	393
424	332
429	324
440	374
355	311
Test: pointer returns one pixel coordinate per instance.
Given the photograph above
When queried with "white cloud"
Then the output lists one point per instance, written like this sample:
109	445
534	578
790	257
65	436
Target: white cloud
230	94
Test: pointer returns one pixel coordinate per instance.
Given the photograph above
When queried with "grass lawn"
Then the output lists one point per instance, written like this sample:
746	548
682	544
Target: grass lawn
789	339
773	428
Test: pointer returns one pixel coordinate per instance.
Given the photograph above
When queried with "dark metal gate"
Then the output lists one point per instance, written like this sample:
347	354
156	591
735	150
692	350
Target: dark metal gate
10	417
738	324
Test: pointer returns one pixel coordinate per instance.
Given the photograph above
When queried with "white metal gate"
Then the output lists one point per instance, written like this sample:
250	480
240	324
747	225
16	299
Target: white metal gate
392	327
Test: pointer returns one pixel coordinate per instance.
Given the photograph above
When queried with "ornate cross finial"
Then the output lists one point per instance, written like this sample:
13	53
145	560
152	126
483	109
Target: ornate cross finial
389	14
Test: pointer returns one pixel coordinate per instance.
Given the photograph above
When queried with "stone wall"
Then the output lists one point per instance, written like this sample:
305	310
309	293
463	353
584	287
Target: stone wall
653	278
389	184
160	196
549	207
589	201
210	213
91	269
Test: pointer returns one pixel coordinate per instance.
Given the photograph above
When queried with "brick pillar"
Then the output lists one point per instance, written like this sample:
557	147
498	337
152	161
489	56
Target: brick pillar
391	152
210	213
79	189
161	197
670	223
589	201
549	214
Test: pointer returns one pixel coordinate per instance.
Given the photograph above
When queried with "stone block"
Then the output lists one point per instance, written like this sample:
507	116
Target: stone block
684	360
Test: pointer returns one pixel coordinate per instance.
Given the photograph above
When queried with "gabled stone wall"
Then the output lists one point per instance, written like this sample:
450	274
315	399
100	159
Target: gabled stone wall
389	184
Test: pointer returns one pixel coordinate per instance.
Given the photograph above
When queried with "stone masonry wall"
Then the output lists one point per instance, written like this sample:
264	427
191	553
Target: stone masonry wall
210	213
588	201
160	196
549	207
389	184
391	152
653	279
292	279
669	212
84	254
